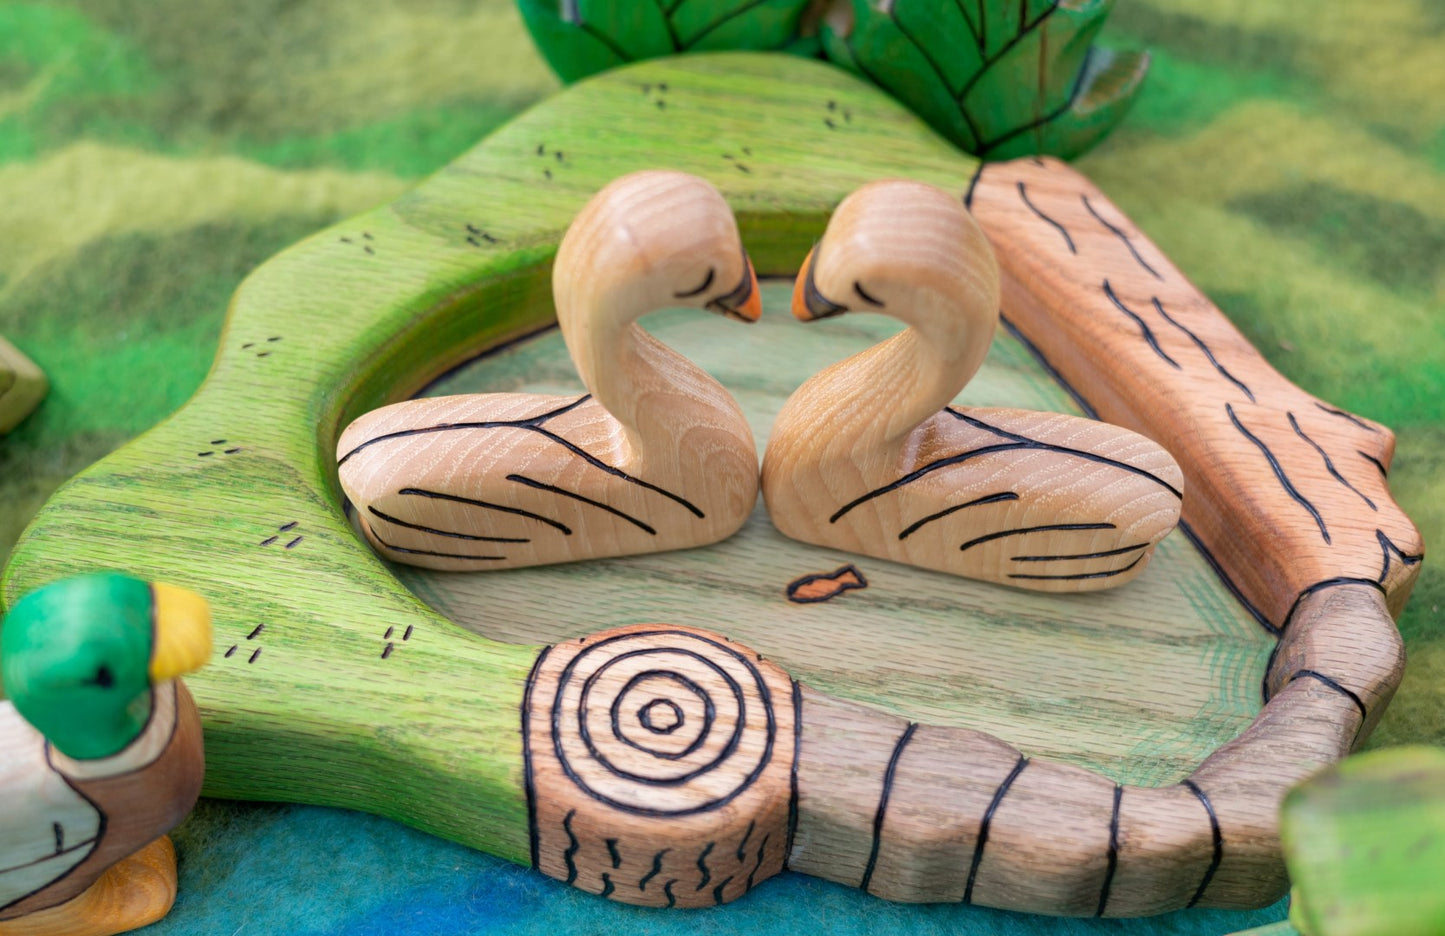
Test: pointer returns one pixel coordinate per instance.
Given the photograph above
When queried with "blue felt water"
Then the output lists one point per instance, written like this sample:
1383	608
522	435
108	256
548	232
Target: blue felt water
254	869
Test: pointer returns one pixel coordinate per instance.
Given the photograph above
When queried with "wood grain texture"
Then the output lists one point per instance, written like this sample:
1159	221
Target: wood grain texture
325	660
660	763
656	456
1288	493
135	892
22	386
869	456
1139	683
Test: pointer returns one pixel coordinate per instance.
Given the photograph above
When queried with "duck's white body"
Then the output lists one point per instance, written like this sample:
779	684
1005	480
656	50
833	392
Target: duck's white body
869	455
48	828
50	825
657	456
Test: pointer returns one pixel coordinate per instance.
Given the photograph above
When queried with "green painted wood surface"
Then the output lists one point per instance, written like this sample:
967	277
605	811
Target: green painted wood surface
235	497
1140	683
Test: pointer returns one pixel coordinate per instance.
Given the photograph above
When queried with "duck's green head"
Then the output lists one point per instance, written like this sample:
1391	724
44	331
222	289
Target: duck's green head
79	657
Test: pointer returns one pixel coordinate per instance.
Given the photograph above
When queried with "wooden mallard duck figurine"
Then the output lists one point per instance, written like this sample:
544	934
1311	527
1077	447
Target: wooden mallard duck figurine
656	456
869	456
100	752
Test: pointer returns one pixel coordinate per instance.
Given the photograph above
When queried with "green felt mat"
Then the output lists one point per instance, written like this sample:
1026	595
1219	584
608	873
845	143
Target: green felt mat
1290	158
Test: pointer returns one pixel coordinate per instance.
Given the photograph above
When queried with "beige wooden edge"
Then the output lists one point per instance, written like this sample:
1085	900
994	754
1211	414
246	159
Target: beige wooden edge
22	386
1286	496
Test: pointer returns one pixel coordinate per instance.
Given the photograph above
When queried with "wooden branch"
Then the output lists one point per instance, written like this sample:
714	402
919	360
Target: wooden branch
1287	493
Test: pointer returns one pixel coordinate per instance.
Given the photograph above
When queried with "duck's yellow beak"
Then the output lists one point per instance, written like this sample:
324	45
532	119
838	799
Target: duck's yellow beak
182	632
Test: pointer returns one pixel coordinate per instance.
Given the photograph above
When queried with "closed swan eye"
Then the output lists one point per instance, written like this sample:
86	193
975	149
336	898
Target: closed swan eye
707	281
858	288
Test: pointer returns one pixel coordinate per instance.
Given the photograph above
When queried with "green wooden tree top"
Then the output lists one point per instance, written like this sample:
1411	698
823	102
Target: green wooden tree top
1000	78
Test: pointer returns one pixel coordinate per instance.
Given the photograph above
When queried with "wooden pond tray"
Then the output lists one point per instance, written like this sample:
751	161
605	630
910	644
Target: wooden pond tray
924	737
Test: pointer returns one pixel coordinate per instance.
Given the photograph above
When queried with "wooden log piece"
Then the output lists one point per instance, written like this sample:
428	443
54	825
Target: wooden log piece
1286	492
660	764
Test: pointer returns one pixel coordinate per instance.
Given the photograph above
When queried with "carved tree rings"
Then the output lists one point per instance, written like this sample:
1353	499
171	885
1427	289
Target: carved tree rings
659	765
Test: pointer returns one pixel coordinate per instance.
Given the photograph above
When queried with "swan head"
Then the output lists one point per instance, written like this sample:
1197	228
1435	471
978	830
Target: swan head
652	240
908	250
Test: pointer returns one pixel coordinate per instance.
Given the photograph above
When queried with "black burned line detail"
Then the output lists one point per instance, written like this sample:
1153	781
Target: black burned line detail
842	579
1208	353
1379	465
531	424
429	552
707	281
486	505
793	772
397	521
529	780
973	185
987	146
1094	555
217	443
1016	443
1230	585
654	872
1388	546
272	340
1042	528
1023	194
976	502
667	891
613	853
607	887
717	892
1321	586
744	843
1279	472
1080	576
1329	465
1113	852
1144	328
1047	365
702	865
758	864
1346	416
553	489
882	810
1337	687
570	855
984	824
1122	236
1218	841
723	797
701	34
474	232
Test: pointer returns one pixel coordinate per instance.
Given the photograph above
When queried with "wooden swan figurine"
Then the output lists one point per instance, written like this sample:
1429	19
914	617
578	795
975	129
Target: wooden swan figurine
100	752
656	456
869	456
